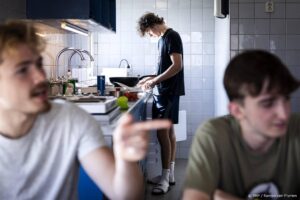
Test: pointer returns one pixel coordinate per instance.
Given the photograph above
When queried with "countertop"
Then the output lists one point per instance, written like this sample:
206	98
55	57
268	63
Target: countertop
136	108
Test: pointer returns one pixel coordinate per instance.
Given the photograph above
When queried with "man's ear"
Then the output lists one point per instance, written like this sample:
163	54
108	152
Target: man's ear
236	109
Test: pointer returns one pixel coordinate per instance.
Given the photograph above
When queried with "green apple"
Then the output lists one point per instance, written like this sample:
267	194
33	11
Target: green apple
122	101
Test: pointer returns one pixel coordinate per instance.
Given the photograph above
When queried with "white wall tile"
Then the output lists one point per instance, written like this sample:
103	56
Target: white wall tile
208	4
262	42
277	42
293	42
209	25
208	48
278	26
279	10
292	10
246	42
161	4
196	37
196	83
196	14
262	26
187	4
197	71
173	4
246	26
234	26
234	42
196	60
293	26
260	11
234	10
196	48
292	57
208	37
196	3
246	10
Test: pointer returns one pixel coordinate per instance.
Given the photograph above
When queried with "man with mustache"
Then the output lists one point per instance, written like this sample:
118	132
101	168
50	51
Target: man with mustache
253	153
42	143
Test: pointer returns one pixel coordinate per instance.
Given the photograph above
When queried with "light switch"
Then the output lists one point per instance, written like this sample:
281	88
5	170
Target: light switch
269	6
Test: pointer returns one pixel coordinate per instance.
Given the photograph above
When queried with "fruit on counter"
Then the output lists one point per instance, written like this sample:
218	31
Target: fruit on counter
122	101
132	96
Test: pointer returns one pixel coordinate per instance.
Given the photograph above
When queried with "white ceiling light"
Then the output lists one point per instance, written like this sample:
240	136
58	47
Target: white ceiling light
74	28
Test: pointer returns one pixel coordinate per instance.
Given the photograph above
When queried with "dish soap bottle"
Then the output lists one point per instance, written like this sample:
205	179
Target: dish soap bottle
70	86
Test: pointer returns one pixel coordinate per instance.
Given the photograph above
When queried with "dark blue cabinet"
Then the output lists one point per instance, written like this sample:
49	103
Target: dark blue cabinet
87	189
104	12
89	13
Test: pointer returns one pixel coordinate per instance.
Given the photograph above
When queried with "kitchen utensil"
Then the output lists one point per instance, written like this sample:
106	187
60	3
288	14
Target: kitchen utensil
131	89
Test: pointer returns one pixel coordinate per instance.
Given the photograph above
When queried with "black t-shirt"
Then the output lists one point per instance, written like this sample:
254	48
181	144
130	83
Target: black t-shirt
170	43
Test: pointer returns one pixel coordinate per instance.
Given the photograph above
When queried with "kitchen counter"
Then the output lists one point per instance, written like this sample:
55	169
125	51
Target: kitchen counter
138	109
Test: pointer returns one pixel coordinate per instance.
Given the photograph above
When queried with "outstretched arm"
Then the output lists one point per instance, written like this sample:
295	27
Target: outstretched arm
193	194
118	173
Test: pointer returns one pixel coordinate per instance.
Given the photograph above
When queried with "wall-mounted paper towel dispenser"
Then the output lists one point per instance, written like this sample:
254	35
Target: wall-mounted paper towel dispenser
221	8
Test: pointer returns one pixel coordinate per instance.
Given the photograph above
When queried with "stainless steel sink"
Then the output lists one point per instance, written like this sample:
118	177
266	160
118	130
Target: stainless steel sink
94	104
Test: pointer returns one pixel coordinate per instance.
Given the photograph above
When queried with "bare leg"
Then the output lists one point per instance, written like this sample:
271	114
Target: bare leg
172	138
165	146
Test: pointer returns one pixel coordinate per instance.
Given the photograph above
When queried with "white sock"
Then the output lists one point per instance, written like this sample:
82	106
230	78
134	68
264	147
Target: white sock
165	175
172	167
172	171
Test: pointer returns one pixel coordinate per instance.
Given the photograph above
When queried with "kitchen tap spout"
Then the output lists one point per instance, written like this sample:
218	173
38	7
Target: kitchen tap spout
82	51
60	53
128	66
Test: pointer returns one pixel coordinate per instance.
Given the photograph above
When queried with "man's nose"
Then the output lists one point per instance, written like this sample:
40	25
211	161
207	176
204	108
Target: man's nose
283	110
38	75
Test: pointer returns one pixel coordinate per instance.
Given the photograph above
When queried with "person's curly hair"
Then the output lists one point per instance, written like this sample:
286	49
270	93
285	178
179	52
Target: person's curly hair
14	33
148	20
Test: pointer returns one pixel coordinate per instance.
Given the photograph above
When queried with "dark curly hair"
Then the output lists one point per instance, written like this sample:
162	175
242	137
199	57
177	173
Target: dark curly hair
247	73
148	20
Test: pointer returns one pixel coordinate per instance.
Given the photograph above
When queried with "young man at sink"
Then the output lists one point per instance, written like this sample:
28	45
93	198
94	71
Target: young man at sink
168	86
42	143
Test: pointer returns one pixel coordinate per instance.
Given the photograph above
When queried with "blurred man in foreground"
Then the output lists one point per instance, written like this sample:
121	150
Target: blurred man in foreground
42	143
254	152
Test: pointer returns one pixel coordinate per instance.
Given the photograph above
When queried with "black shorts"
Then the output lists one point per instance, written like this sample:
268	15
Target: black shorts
166	107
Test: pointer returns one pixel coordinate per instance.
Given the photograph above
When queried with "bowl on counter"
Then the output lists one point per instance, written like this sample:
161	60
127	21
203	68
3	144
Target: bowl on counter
129	81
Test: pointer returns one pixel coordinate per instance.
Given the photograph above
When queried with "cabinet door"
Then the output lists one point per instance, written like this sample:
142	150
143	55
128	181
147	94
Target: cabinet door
57	9
104	12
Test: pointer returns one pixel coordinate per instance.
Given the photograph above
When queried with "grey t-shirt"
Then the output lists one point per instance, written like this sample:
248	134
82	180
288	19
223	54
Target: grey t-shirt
44	163
220	159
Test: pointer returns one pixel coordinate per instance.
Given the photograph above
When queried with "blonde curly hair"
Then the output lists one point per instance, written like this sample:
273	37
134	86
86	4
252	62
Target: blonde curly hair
14	33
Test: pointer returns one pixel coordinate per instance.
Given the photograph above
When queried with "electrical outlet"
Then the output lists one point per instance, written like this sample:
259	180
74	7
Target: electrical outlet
269	6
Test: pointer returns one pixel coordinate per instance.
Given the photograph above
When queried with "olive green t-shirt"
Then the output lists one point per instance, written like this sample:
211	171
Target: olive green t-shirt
220	159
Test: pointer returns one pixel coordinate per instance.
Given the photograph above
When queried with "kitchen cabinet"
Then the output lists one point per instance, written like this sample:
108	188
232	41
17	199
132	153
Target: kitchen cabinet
92	15
104	11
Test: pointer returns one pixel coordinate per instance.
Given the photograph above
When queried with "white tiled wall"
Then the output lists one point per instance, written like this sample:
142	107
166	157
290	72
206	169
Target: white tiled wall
277	32
194	21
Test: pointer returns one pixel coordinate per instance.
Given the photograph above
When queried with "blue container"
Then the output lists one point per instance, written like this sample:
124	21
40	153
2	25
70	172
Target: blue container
101	85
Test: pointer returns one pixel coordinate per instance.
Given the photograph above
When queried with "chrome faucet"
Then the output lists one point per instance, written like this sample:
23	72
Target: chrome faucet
59	54
83	51
128	66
